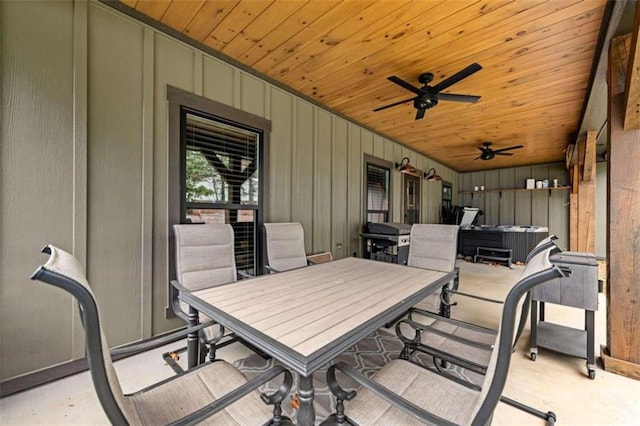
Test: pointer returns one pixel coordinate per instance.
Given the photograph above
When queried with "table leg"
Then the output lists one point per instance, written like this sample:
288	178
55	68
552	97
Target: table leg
306	412
193	343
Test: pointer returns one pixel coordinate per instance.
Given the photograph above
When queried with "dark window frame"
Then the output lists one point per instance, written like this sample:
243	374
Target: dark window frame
378	162
181	102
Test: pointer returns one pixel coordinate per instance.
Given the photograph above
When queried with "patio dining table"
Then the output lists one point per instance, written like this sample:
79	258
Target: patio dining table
306	317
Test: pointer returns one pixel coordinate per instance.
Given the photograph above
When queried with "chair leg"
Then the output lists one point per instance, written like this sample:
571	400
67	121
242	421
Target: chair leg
278	419
211	352
549	416
338	418
406	351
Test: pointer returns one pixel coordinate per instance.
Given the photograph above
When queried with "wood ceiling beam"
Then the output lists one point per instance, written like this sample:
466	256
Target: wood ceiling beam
589	156
632	86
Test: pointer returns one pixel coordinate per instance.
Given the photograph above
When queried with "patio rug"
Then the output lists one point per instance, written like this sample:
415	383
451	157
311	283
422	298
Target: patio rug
369	355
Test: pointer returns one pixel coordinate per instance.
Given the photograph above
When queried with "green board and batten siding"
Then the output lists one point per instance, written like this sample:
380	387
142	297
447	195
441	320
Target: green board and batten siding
84	67
84	166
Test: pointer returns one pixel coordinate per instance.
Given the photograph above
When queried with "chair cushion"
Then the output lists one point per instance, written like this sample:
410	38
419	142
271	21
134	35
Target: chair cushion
433	247
285	246
418	385
204	255
192	391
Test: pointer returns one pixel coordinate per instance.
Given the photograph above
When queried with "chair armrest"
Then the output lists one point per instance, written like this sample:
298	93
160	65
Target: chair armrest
174	291
420	328
244	275
233	396
381	391
168	338
271	269
473	296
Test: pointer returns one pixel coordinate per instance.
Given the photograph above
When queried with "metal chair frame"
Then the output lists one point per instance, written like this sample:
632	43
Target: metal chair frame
495	383
96	359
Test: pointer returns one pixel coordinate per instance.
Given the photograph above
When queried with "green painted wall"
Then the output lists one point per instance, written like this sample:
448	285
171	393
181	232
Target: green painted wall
84	167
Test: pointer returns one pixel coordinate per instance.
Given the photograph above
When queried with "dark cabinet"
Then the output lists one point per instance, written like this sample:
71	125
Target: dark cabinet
520	239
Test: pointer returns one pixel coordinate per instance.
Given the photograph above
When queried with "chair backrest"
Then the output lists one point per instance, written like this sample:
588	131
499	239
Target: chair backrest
204	255
544	244
285	246
433	247
537	271
64	271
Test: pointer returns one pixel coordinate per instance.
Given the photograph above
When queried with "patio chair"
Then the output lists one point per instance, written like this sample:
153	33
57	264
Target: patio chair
467	345
285	248
215	392
435	247
204	258
405	393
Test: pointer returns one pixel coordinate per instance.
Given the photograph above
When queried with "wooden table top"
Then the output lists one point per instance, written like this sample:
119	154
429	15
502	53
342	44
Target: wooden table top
306	317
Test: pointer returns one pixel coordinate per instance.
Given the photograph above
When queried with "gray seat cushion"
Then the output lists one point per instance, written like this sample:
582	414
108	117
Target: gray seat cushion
188	393
419	386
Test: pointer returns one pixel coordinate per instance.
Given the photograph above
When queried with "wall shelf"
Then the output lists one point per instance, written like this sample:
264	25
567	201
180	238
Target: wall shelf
514	190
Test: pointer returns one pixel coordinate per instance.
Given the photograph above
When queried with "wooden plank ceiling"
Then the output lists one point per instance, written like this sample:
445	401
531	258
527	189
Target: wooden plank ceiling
536	57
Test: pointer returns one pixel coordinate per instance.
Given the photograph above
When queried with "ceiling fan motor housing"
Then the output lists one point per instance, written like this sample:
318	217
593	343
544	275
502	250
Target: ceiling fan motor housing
425	78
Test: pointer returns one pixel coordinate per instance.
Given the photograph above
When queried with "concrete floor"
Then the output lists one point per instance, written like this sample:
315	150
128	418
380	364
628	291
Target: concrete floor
554	382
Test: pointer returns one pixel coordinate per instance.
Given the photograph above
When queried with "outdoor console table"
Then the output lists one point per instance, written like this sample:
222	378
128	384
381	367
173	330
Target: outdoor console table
306	317
580	290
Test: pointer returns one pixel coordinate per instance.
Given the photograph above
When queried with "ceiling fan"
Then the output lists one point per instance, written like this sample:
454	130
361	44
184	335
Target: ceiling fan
488	153
428	96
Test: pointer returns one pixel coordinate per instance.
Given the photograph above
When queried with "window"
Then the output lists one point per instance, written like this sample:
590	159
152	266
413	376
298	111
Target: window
216	163
377	190
220	179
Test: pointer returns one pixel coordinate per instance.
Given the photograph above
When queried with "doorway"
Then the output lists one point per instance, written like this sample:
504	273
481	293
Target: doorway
411	198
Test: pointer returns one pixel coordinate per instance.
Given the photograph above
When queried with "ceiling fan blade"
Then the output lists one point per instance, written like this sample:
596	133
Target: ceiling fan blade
481	148
507	149
478	157
393	104
457	98
502	153
420	113
462	74
408	86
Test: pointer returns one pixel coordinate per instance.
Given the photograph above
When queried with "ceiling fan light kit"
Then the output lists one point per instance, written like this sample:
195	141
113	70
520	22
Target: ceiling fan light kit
428	96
